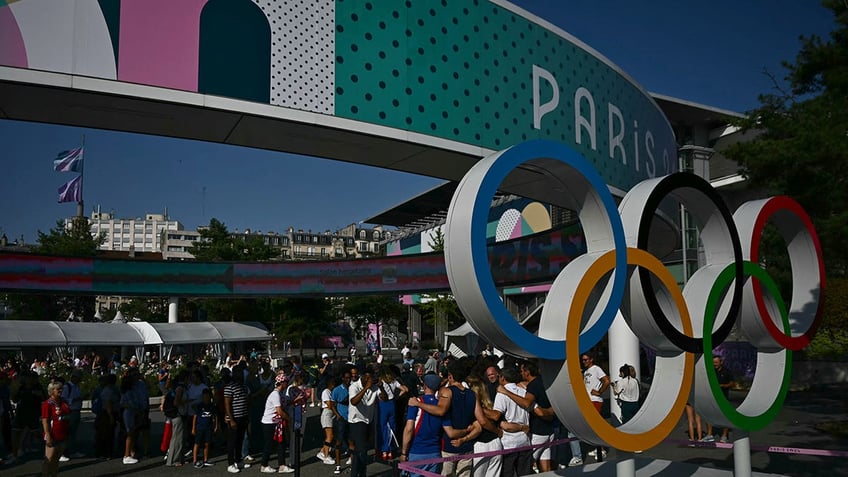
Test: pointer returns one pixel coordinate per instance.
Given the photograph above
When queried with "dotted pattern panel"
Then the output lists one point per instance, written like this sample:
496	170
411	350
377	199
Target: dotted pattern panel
462	70
302	53
506	225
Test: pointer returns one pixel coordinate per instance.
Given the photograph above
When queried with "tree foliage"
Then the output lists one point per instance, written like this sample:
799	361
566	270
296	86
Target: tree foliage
217	244
373	309
800	149
302	320
801	143
153	310
439	310
831	340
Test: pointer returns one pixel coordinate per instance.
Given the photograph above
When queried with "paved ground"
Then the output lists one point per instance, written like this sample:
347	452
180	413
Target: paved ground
794	427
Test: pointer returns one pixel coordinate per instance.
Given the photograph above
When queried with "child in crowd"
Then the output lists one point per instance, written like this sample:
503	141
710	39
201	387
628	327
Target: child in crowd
204	424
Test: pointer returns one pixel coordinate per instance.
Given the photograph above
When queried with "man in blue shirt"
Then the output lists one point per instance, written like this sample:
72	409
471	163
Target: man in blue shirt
339	404
422	435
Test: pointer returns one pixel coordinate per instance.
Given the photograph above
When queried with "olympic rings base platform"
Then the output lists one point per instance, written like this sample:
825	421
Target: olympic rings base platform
802	449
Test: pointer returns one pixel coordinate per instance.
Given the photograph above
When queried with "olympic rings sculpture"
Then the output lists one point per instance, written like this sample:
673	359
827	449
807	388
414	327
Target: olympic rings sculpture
617	277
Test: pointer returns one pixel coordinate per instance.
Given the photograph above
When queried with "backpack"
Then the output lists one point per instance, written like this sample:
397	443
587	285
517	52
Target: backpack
169	408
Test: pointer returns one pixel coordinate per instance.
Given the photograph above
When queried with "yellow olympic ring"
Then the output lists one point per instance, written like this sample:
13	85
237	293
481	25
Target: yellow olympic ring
642	431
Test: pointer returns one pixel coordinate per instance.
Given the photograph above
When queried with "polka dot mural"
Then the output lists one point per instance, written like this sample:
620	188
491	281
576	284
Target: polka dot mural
302	53
464	71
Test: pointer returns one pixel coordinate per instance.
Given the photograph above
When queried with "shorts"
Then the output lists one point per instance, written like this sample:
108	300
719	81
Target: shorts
326	419
542	453
130	420
203	436
341	431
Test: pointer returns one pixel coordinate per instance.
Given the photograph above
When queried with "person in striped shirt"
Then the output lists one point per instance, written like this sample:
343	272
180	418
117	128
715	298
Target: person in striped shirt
235	419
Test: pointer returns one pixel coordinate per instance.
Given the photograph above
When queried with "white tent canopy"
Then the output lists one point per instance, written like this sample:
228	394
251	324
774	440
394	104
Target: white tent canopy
462	341
18	334
24	333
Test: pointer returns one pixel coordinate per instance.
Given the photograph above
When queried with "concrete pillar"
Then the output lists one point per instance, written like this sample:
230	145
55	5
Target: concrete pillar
173	306
623	348
741	454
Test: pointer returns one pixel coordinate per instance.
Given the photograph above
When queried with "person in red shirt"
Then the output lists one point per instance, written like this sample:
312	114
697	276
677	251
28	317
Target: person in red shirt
55	414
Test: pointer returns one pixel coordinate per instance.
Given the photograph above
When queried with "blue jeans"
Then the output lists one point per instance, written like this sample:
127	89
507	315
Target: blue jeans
575	446
386	422
434	468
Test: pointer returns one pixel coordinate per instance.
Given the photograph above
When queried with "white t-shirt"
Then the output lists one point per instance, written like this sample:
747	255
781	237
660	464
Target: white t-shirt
326	395
592	379
271	403
513	413
392	389
627	389
364	411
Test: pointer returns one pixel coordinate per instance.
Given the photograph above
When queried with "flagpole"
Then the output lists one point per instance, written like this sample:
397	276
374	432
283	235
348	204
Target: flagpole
82	176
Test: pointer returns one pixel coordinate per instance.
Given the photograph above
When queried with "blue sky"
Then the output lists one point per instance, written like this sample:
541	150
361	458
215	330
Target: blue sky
712	53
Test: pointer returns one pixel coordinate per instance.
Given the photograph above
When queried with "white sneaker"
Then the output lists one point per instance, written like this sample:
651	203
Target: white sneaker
64	459
321	455
338	470
233	469
242	466
249	458
130	460
330	461
349	461
267	470
575	461
284	469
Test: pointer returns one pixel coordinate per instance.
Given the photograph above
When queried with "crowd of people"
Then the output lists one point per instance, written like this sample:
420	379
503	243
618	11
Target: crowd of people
414	410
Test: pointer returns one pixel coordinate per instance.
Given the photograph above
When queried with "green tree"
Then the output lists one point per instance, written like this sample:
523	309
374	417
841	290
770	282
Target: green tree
831	340
73	240
153	310
303	320
362	310
439	310
800	146
217	244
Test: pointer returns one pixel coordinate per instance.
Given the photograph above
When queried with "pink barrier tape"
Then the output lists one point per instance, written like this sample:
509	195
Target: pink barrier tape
411	465
772	449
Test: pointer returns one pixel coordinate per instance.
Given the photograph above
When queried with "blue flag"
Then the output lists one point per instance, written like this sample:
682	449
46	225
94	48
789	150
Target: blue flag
71	191
68	161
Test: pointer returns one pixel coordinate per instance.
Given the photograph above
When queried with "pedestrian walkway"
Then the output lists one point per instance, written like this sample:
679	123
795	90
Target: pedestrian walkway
795	427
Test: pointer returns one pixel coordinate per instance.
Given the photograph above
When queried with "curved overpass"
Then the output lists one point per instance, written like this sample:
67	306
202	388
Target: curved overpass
533	259
422	87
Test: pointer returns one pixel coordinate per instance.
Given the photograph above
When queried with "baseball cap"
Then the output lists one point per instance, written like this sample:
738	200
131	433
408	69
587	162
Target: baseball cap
432	381
325	356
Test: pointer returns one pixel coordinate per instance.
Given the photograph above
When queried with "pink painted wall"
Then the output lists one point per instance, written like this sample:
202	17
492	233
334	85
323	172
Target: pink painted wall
159	42
12	49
